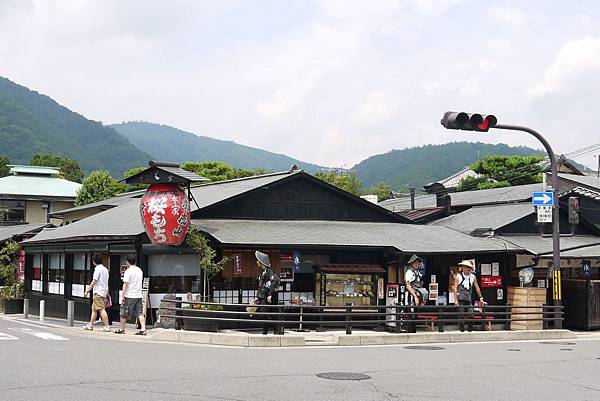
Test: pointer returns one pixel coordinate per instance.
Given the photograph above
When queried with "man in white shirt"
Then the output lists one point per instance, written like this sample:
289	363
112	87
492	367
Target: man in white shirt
131	296
99	285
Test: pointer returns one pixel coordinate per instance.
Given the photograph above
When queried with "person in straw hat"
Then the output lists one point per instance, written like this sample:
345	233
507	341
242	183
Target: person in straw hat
414	281
464	283
268	281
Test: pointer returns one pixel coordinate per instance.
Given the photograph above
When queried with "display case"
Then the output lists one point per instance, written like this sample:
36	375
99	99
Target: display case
338	289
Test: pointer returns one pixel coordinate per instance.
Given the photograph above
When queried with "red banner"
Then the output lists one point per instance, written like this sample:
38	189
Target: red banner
491	281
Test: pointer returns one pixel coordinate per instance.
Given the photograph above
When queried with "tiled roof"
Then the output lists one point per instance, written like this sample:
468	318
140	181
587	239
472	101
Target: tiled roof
587	181
38	186
486	217
518	193
407	238
123	219
8	232
538	245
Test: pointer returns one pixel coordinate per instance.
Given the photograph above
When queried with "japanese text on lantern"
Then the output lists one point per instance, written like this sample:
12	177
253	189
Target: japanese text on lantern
165	211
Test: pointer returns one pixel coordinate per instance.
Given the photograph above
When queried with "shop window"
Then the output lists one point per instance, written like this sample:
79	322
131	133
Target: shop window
12	211
36	280
80	271
56	273
175	274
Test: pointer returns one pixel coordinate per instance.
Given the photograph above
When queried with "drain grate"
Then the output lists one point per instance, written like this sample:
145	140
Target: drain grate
557	343
514	350
566	349
425	347
343	376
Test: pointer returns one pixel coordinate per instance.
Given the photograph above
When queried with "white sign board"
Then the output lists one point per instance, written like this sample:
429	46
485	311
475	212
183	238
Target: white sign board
544	214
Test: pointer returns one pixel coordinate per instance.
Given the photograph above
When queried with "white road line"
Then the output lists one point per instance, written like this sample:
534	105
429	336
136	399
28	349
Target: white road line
42	334
4	336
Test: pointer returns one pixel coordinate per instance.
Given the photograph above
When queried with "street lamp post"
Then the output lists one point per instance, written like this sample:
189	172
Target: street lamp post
482	123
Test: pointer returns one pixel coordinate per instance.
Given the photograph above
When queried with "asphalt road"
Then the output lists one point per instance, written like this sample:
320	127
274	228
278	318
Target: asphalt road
40	363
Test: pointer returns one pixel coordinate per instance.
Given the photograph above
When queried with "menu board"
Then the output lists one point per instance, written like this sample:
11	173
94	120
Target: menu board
286	272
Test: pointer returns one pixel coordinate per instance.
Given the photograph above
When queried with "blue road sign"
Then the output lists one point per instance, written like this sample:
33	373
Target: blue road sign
543	198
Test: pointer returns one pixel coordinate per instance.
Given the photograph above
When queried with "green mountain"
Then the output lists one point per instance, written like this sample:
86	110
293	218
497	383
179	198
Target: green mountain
172	144
415	167
34	123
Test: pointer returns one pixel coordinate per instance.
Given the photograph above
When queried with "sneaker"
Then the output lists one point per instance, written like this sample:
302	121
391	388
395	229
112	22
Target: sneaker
106	329
88	327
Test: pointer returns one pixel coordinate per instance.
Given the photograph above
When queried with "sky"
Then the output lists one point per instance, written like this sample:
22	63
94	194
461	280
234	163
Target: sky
330	82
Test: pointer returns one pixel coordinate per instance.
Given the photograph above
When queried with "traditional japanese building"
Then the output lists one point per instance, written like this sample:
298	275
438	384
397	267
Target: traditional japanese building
329	246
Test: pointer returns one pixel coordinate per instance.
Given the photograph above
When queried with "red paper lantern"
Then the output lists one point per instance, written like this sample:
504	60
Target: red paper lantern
165	211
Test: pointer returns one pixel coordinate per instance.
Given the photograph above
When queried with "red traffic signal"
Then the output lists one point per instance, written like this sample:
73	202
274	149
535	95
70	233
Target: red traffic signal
468	121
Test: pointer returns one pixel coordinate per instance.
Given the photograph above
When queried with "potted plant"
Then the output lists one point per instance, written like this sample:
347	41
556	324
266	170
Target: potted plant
11	292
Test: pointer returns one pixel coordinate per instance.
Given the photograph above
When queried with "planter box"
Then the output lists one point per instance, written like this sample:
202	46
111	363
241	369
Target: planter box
198	324
13	306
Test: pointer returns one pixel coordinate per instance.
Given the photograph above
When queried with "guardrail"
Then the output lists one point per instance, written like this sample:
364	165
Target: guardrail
398	318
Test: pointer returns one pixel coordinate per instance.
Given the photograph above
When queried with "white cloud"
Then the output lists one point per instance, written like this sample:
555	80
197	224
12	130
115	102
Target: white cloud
330	81
577	61
503	15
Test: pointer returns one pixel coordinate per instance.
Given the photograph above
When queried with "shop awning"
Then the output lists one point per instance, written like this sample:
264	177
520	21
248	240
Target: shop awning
349	268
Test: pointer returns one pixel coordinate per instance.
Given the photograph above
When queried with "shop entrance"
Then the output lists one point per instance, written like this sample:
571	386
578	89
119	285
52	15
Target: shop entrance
114	286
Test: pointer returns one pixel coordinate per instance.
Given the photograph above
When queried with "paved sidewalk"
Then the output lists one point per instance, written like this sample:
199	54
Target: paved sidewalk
77	327
300	339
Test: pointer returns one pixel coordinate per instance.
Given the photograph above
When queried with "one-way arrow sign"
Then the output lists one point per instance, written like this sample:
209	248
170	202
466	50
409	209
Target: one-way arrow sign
542	199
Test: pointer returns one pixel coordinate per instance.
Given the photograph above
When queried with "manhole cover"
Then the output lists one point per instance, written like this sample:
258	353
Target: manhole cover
343	376
557	343
425	347
514	350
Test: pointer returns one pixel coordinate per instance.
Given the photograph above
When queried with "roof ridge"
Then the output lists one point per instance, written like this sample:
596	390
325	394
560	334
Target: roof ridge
247	178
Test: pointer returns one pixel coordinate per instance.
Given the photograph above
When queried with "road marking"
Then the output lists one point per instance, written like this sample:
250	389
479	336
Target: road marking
42	334
4	336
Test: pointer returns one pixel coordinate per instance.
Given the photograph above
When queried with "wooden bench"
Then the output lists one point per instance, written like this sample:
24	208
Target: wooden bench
486	321
430	323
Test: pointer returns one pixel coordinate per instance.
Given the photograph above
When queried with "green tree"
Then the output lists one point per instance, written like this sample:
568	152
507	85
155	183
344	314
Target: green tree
347	182
4	169
69	168
98	186
383	191
503	171
219	171
8	271
208	256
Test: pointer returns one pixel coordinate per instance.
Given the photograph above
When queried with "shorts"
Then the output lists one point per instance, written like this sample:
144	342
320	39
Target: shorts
99	302
131	307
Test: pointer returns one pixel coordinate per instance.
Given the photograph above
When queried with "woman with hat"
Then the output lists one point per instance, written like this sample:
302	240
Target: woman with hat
464	282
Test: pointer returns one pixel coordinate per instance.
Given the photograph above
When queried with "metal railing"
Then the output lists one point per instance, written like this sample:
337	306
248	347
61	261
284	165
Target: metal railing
397	318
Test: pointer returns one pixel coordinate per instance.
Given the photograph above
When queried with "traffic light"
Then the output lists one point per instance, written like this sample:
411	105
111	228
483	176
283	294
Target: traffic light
573	210
468	121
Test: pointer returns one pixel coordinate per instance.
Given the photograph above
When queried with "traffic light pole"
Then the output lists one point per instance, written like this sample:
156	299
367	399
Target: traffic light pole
554	271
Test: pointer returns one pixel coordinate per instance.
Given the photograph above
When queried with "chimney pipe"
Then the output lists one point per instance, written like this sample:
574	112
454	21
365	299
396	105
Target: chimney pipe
412	198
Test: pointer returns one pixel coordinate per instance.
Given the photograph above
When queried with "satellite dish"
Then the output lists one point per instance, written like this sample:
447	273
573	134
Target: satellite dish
526	275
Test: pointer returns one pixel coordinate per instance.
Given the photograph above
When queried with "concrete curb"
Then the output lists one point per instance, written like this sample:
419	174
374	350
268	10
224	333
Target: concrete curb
241	339
292	340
